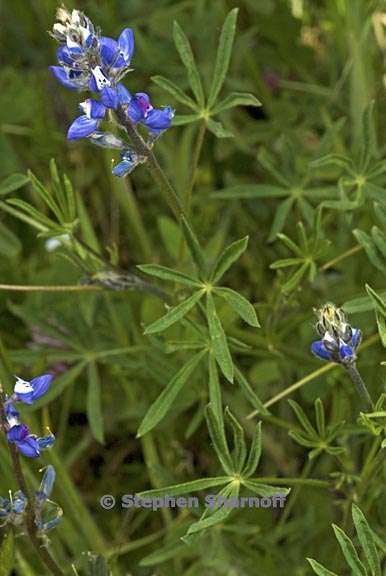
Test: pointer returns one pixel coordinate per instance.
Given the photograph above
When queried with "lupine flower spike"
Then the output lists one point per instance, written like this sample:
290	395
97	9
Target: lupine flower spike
339	343
91	62
17	433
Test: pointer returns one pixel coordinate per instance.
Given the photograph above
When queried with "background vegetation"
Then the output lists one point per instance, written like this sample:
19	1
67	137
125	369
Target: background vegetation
303	177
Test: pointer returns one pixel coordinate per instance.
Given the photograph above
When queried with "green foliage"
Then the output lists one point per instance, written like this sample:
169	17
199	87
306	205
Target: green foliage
369	544
172	334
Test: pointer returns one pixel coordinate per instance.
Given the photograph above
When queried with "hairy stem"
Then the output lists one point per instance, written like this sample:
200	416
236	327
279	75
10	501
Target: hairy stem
152	164
195	160
30	515
359	384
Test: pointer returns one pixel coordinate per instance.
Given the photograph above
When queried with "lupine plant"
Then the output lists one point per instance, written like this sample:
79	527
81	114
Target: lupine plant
192	291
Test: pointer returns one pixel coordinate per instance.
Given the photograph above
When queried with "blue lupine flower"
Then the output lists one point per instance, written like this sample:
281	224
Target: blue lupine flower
28	444
106	140
88	61
129	160
47	513
12	509
141	111
339	340
29	392
46	485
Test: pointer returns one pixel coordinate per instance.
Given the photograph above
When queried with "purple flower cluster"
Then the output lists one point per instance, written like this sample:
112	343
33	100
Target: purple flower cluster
95	63
47	513
17	433
339	340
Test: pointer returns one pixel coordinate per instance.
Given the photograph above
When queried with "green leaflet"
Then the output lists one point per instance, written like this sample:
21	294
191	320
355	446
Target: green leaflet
366	539
218	339
164	402
185	51
319	569
94	403
175	91
228	257
349	552
168	274
186	487
174	314
12	183
240	304
236	99
223	56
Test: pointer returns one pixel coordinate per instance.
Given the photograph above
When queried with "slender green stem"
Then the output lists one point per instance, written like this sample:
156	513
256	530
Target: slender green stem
40	288
311	376
359	383
30	515
152	164
341	257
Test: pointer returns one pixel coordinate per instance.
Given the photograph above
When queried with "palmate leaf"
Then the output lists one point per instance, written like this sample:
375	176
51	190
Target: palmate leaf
174	314
164	402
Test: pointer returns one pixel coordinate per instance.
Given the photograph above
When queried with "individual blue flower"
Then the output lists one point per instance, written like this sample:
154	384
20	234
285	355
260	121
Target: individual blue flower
106	140
29	392
46	485
129	160
13	508
71	79
28	444
339	340
86	124
140	110
117	54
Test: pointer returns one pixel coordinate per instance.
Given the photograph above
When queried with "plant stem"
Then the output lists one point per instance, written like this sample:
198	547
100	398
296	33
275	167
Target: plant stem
152	164
30	516
341	257
359	383
40	288
311	376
